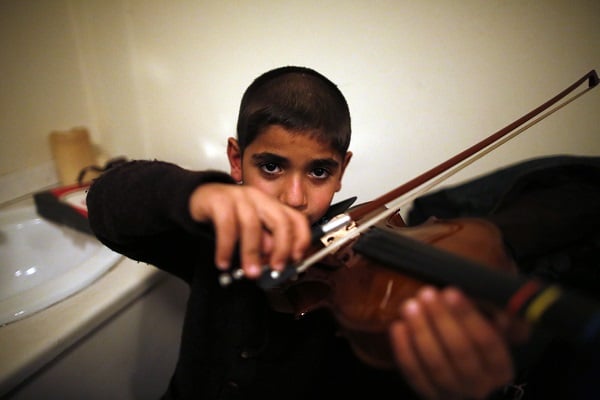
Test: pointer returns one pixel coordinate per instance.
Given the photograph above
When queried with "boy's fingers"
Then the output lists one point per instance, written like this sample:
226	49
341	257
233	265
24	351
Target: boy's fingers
266	230
427	345
408	361
226	238
302	236
291	237
287	231
494	356
251	234
281	235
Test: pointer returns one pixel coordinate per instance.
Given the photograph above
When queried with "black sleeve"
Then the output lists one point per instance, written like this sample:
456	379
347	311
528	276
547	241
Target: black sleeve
140	209
550	210
541	205
549	219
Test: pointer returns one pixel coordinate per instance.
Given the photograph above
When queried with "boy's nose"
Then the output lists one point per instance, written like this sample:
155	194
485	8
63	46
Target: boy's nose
294	193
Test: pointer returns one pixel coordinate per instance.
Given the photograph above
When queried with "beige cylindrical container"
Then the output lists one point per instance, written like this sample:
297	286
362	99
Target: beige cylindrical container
72	151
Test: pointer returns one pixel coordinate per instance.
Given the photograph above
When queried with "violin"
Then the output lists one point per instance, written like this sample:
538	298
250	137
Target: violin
366	262
364	294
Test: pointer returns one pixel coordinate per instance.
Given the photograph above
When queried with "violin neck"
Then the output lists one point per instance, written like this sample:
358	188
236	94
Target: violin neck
561	311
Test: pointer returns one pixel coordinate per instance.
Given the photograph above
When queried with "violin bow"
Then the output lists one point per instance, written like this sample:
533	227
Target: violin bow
343	228
480	149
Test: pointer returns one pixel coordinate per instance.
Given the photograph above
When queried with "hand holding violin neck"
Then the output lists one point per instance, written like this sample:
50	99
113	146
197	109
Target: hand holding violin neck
563	312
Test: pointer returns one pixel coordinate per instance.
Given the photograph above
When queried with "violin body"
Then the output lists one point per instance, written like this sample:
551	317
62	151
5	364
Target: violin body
365	297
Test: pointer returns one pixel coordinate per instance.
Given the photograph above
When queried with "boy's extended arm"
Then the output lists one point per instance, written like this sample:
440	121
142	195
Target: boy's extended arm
140	209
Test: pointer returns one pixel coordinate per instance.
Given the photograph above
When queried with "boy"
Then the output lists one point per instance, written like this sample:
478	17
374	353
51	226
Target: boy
288	161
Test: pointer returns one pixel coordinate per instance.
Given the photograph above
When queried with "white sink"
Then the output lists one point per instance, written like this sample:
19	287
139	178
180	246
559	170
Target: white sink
42	263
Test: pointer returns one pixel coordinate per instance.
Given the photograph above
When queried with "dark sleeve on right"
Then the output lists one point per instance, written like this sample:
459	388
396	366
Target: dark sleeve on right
550	210
140	209
542	206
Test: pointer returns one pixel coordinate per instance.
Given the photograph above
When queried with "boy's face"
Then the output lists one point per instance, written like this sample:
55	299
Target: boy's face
293	167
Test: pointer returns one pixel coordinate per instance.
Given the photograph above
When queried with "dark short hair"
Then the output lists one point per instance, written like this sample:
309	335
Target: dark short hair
299	99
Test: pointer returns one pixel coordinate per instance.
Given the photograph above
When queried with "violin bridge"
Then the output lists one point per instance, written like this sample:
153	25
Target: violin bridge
337	228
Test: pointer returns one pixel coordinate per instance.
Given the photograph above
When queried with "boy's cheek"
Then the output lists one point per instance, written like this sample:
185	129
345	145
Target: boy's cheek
263	185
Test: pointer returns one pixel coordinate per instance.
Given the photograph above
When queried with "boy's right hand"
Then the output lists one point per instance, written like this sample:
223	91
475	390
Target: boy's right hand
266	229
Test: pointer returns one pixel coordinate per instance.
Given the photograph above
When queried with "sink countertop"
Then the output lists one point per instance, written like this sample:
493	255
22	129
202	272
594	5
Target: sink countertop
26	345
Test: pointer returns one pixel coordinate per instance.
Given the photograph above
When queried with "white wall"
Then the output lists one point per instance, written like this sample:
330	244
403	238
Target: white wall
424	79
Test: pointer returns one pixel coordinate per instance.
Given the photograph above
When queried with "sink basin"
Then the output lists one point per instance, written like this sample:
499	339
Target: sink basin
42	262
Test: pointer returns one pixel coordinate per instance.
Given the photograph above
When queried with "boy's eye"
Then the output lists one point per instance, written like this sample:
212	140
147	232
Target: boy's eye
270	168
320	173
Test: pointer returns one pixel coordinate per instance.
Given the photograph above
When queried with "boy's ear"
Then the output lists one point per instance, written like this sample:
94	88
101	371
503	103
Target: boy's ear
345	163
235	159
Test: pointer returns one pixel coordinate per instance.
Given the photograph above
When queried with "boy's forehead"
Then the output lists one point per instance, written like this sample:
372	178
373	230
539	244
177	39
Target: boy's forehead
279	140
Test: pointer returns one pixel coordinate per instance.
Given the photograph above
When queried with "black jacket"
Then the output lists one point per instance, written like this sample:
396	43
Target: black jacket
233	345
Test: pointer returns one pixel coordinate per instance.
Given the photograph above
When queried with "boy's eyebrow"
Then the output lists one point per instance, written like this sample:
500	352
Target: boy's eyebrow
266	157
327	163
